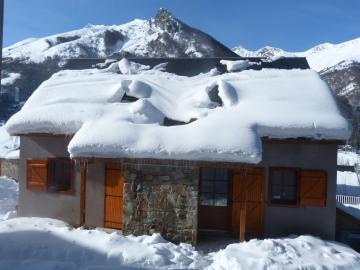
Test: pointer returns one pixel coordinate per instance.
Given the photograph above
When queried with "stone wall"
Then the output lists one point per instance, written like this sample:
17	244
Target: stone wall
161	198
10	168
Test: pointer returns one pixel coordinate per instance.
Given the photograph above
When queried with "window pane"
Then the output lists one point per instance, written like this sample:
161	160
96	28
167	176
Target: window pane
207	186
60	174
207	173
207	199
283	187
221	187
289	178
220	200
222	174
214	186
277	178
276	192
288	194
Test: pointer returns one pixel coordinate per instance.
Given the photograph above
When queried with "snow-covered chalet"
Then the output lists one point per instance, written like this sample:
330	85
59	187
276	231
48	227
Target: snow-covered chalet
181	146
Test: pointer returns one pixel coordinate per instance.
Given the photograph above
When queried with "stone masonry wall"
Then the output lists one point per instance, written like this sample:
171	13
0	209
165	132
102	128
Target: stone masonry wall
161	198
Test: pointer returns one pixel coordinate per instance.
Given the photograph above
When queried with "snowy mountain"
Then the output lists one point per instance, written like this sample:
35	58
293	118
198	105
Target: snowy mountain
28	63
338	65
163	36
320	57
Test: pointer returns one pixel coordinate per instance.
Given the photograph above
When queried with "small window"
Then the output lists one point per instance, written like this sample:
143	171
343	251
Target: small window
283	186
60	175
214	187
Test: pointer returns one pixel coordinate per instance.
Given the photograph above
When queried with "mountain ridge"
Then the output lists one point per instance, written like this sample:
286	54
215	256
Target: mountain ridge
26	64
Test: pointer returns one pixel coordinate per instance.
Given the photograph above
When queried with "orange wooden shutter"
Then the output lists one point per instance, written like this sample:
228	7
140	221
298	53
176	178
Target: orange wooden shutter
36	174
313	188
114	189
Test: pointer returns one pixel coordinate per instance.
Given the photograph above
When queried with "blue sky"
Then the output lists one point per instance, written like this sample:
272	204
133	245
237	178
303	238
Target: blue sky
293	25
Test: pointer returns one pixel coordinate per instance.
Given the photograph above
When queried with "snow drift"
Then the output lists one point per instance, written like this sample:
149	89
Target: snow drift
42	243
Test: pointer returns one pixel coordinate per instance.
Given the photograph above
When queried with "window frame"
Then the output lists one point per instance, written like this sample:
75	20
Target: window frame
49	175
297	172
229	176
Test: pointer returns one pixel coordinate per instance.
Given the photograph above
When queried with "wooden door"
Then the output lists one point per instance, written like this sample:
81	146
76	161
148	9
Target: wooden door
114	189
214	202
248	203
236	199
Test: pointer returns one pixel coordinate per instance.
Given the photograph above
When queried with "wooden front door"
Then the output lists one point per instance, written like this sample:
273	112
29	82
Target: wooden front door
114	189
247	203
214	212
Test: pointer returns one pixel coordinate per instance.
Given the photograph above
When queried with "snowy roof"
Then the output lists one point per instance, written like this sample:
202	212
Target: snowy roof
233	111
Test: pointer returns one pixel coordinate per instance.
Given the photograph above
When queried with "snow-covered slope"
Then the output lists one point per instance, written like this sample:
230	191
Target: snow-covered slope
163	36
321	57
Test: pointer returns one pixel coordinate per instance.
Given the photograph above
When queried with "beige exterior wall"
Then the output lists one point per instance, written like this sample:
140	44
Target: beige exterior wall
279	221
283	221
43	203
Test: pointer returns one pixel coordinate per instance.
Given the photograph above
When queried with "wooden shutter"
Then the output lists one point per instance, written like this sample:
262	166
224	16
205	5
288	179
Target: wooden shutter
313	188
114	189
36	174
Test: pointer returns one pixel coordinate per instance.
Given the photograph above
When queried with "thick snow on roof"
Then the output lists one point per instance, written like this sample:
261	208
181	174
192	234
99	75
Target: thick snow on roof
270	102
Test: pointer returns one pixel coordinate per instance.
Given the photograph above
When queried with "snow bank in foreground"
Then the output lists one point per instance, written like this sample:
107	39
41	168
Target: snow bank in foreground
40	243
48	243
303	252
8	197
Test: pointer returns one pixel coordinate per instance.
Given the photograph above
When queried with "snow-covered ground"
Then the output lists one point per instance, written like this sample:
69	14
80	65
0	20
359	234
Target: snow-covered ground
347	158
41	243
9	145
348	183
8	197
48	244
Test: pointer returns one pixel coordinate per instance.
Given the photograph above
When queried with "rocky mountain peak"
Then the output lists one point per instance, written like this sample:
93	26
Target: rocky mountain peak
167	22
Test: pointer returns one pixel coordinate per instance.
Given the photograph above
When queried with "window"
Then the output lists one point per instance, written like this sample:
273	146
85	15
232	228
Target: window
60	175
53	175
283	186
214	187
